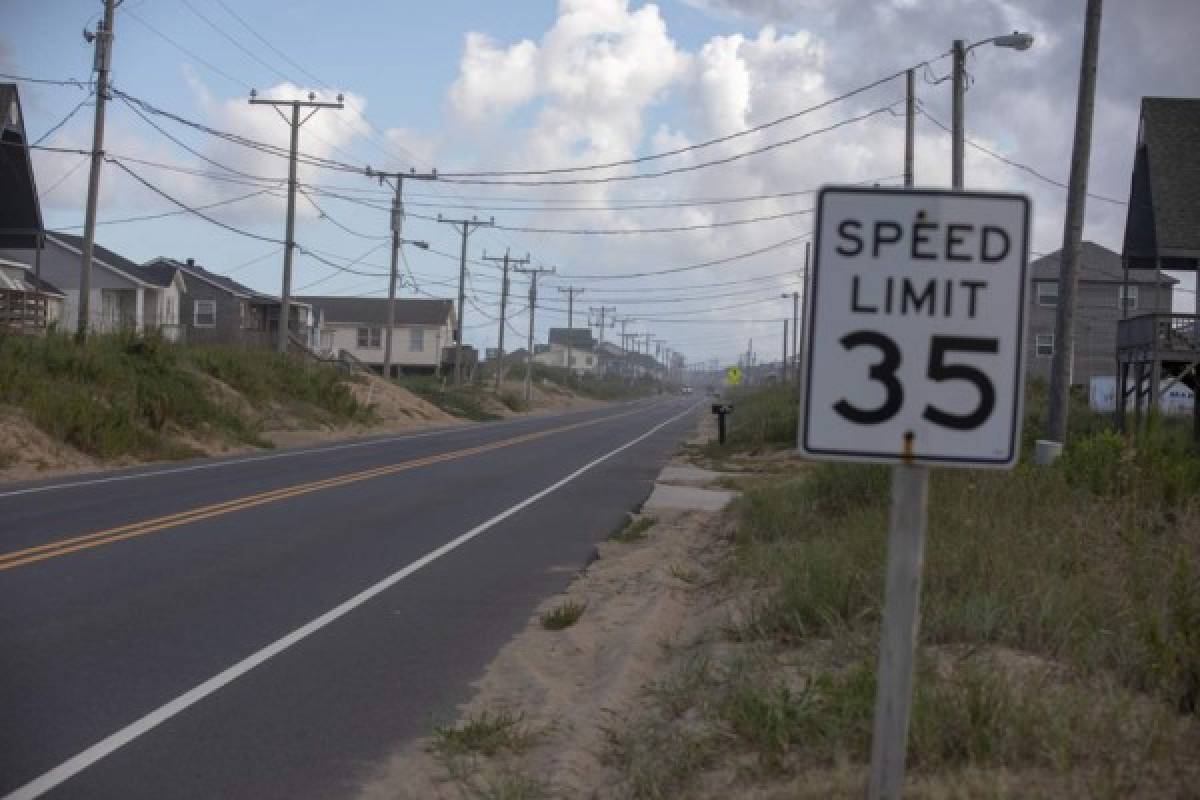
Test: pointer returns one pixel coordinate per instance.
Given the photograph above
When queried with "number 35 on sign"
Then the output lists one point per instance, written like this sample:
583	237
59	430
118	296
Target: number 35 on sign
915	315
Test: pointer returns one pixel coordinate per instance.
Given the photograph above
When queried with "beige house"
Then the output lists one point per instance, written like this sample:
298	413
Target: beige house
580	353
423	329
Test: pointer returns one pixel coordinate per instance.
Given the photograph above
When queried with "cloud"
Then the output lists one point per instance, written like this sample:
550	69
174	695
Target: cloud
492	80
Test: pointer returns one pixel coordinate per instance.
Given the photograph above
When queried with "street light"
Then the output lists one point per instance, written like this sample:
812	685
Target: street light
416	243
1014	41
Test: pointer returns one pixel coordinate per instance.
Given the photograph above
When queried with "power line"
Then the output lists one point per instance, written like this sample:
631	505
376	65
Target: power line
87	101
677	170
188	208
686	268
700	145
1012	163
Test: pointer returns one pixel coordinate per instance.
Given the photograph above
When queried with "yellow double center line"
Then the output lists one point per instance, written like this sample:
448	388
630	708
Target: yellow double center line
61	547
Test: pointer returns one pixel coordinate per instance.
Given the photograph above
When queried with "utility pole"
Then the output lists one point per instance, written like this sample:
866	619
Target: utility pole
464	227
910	124
104	40
603	312
570	292
533	272
1068	269
503	306
285	301
397	240
785	344
959	90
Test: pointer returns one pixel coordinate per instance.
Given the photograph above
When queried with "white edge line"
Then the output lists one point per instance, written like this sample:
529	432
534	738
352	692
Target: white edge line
113	742
285	454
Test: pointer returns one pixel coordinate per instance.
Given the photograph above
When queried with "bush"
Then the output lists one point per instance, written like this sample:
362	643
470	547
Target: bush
462	401
513	401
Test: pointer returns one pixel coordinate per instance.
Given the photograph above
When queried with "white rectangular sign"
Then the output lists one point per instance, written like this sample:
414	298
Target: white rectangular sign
915	325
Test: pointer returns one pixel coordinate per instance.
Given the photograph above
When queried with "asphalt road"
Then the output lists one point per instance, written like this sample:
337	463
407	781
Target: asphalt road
276	626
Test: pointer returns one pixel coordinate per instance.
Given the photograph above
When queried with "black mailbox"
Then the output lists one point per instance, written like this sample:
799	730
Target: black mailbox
721	410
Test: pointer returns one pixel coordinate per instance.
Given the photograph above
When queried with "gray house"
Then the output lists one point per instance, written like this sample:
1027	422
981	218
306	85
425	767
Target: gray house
1102	301
217	309
123	296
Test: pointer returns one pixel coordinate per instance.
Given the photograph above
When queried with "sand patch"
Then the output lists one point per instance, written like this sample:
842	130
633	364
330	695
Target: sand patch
569	687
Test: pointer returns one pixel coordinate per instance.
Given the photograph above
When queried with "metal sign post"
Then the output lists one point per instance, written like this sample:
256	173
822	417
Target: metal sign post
915	309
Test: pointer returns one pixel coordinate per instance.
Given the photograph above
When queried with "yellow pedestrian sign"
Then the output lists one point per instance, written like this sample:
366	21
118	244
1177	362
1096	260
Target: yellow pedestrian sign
733	376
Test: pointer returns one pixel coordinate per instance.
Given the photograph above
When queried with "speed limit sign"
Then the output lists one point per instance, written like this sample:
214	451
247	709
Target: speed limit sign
915	316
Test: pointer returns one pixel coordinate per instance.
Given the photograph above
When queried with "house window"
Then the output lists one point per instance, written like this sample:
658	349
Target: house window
370	338
1045	345
1047	294
1127	297
416	340
204	314
588	361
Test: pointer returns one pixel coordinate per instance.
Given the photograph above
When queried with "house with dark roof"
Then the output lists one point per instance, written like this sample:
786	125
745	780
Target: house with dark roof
422	333
1159	351
124	295
20	212
217	309
1162	223
1102	300
573	347
28	303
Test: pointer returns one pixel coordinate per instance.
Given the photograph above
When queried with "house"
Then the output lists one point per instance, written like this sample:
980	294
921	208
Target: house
123	295
575	344
28	304
422	334
20	211
217	309
1102	300
1158	351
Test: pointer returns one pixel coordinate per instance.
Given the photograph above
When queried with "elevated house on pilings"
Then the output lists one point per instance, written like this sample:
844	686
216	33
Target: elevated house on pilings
1162	232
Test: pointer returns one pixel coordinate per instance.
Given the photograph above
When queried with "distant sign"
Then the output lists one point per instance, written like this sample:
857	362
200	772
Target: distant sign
733	376
915	316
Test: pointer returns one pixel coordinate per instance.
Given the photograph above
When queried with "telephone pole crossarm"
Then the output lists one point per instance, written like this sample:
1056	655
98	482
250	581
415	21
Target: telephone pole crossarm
397	224
464	227
533	273
285	300
508	261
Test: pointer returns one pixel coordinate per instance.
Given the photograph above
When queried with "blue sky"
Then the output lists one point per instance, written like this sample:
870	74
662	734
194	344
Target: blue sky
566	84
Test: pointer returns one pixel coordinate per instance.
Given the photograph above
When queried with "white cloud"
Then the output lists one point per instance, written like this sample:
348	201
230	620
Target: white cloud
492	80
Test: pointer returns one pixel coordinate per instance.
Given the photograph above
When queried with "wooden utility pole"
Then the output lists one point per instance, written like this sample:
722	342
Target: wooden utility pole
507	261
910	124
533	272
397	240
570	292
464	227
104	40
957	123
285	300
1068	268
603	312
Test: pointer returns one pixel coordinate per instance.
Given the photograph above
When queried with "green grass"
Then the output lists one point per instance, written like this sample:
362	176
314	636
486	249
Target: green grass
763	419
563	615
467	401
1060	627
126	395
634	530
485	734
